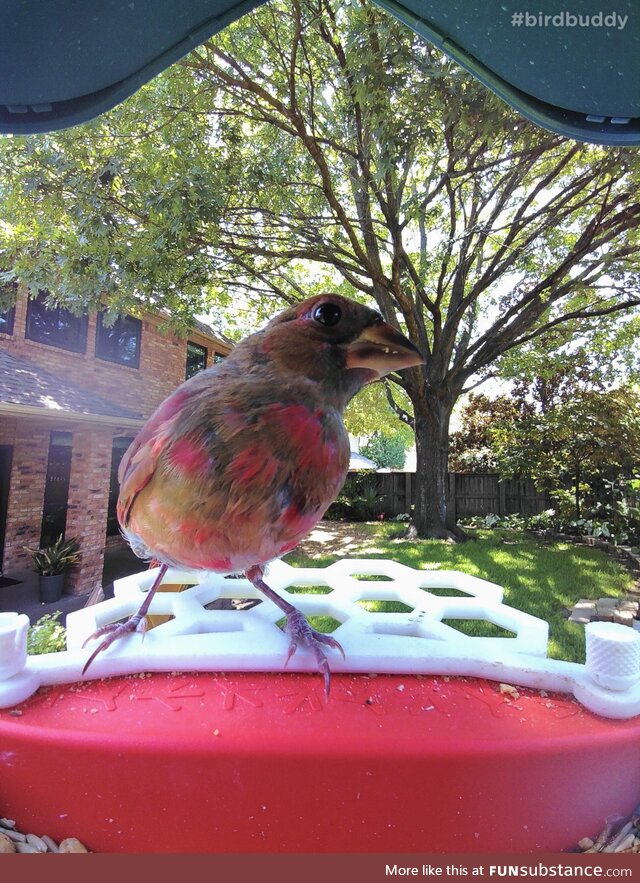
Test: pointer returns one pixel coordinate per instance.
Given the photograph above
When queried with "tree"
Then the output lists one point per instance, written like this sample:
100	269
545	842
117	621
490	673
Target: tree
387	451
472	446
369	413
550	369
323	145
578	440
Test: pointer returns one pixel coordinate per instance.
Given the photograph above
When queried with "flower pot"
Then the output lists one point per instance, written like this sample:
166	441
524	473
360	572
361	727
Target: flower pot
51	587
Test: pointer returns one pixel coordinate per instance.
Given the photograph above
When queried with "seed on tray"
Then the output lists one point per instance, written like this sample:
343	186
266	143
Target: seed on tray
37	842
71	844
6	844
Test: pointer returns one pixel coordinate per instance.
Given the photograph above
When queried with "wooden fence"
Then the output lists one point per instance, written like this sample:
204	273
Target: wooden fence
477	494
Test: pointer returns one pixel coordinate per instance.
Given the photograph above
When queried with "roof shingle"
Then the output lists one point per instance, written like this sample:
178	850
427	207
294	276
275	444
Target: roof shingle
23	383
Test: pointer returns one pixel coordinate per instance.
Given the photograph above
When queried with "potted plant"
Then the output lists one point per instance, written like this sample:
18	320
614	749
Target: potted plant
51	565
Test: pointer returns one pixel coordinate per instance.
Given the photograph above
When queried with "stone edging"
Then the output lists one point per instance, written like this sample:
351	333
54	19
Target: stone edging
624	610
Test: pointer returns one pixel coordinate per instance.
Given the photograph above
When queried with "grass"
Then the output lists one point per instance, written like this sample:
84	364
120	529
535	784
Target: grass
540	578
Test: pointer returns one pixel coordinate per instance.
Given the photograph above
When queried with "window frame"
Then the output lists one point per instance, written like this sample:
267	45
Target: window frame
10	312
119	447
80	348
108	358
10	319
204	350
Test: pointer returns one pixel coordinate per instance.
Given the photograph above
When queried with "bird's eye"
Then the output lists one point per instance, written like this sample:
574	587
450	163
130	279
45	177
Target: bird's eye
327	314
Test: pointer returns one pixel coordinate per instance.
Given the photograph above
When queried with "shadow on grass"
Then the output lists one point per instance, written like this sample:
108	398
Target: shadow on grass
541	578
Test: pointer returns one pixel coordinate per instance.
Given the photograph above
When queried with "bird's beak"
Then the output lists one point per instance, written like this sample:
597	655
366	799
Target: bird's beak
382	349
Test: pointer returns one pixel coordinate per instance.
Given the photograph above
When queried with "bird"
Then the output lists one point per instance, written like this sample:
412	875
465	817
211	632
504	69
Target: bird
239	463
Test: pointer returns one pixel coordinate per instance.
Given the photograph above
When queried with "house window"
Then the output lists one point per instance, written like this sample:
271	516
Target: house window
8	316
7	319
196	358
55	326
120	445
119	342
56	489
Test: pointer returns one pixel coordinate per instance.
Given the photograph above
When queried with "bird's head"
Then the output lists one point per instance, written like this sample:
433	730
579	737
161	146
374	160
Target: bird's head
340	343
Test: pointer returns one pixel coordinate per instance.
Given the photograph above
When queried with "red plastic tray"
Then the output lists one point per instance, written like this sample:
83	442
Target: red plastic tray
254	762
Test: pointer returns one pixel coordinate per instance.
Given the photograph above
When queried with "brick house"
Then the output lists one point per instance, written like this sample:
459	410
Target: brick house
73	393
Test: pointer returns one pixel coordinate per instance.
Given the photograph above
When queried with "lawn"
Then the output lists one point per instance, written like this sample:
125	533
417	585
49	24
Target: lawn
539	577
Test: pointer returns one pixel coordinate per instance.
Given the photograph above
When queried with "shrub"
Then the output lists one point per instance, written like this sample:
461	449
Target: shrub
388	451
359	499
543	521
47	635
509	522
620	527
56	558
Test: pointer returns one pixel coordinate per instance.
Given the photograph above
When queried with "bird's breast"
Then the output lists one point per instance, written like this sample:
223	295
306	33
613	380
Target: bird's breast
230	506
315	439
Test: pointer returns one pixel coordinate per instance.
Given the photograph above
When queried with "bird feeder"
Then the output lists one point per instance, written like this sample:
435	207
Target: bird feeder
192	737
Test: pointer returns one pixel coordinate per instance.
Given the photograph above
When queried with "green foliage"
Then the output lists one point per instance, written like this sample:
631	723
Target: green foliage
595	355
580	441
47	635
56	558
317	145
472	447
491	521
358	500
369	412
387	451
575	436
617	522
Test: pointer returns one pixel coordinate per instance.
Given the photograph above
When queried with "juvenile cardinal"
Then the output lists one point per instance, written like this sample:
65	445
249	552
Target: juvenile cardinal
238	464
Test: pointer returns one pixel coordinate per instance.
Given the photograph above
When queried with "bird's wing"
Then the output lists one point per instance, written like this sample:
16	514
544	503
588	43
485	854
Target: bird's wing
141	458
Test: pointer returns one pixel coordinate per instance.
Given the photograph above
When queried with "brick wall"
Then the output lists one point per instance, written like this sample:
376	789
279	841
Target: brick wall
26	489
88	504
162	363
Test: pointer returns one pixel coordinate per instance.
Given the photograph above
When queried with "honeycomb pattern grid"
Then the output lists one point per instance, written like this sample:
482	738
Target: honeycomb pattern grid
350	587
203	630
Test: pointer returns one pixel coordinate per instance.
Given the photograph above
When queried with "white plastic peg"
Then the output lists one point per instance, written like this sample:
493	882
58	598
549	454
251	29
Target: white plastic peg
13	643
613	655
17	682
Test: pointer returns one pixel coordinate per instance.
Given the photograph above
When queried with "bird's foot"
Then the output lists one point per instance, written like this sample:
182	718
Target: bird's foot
113	631
297	627
301	632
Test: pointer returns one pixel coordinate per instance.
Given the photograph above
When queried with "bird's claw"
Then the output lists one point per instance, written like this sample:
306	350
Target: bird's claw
113	631
301	632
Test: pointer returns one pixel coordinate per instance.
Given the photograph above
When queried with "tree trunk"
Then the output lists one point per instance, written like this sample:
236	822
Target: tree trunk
430	517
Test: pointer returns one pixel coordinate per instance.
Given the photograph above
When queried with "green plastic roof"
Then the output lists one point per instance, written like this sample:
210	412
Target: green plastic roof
573	68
